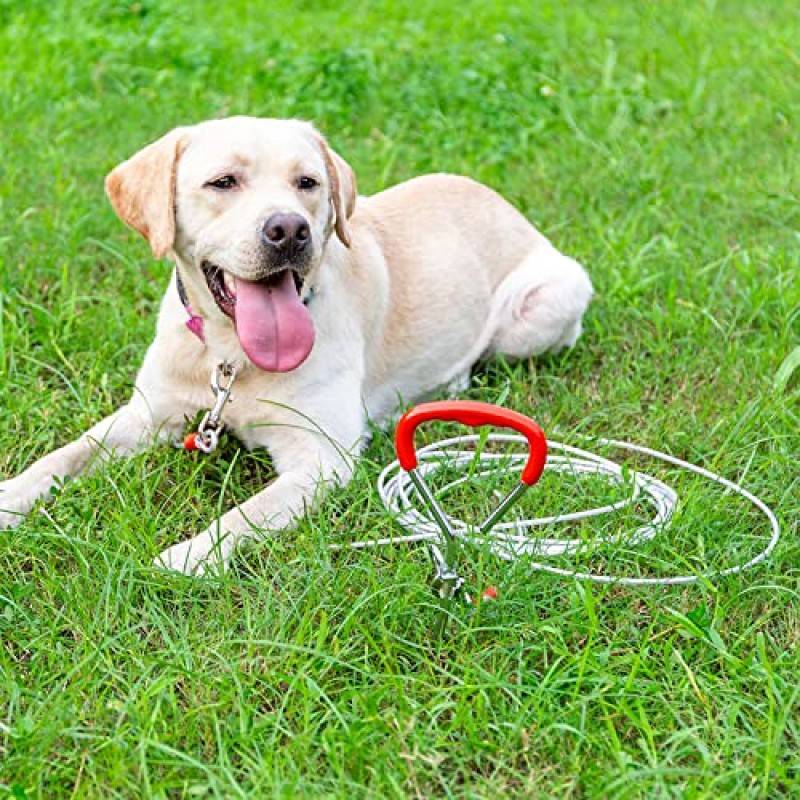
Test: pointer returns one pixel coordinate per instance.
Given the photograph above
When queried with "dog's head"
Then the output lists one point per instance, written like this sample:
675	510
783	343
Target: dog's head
248	207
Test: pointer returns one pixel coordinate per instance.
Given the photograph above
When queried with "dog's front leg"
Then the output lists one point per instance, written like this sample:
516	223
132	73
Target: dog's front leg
307	461
274	508
122	433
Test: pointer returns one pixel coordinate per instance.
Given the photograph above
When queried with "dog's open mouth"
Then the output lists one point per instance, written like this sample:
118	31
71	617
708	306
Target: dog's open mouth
222	286
274	328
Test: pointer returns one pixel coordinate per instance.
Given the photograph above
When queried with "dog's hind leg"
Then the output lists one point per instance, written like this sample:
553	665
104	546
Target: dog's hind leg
539	306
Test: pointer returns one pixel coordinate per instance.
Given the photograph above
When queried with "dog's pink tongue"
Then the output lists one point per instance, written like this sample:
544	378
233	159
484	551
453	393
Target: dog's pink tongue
274	327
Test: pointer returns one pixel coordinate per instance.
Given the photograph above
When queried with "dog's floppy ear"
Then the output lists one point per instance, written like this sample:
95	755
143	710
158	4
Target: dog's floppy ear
142	190
343	189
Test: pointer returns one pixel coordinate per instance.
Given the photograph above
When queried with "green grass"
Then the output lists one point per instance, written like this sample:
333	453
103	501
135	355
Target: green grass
658	144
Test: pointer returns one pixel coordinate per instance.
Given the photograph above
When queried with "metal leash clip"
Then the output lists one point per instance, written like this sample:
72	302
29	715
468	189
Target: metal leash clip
206	438
448	583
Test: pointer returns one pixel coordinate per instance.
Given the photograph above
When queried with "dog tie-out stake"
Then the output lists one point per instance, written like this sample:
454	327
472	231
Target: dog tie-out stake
404	481
443	551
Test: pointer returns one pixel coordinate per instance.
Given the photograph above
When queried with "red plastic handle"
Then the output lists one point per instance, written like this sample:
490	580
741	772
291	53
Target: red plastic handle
473	414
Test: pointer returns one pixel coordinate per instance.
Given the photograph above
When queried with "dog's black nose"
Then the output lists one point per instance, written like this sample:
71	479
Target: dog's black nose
287	234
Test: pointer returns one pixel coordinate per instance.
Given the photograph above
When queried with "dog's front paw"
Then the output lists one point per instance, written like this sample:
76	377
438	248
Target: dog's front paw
9	519
15	503
206	553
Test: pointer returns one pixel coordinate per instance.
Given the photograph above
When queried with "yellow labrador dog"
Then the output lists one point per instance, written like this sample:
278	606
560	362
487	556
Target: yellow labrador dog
330	307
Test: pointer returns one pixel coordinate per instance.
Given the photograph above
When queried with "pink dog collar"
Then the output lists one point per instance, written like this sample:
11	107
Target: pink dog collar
195	321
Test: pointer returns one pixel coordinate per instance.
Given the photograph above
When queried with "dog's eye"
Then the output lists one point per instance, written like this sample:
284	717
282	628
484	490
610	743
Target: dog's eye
224	182
306	183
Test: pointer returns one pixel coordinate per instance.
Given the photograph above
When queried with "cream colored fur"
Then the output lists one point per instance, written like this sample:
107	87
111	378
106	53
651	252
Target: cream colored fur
411	287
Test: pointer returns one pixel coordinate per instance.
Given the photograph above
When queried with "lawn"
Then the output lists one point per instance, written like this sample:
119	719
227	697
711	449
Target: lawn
657	144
